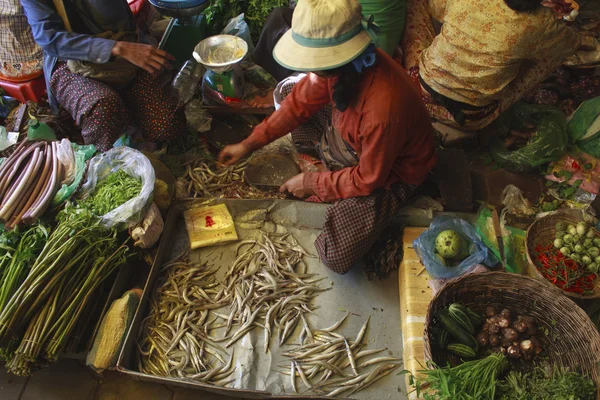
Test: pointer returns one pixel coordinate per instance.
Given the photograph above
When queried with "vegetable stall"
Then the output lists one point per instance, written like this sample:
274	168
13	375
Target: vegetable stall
55	260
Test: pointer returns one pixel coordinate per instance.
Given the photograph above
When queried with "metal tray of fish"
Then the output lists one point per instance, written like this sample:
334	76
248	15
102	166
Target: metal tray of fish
343	324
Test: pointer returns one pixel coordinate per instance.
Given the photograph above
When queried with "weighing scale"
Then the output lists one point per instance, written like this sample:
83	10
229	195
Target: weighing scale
186	29
221	55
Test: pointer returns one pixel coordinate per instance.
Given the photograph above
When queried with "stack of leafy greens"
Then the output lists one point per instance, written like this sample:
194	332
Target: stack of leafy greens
256	12
475	379
51	278
555	383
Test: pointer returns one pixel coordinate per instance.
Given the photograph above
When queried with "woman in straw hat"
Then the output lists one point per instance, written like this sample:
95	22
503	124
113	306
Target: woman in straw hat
379	146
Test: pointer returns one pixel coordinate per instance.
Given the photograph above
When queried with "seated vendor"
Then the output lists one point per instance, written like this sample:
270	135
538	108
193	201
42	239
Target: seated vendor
379	145
20	57
389	15
99	38
487	56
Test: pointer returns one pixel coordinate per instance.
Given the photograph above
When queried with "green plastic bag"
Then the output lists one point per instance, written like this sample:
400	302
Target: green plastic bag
513	239
82	155
548	143
585	122
584	127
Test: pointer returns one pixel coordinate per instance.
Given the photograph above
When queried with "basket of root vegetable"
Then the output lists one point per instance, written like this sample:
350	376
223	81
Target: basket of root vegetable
565	251
505	336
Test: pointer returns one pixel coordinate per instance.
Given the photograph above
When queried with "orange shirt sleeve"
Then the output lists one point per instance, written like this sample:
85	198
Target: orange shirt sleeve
307	98
374	167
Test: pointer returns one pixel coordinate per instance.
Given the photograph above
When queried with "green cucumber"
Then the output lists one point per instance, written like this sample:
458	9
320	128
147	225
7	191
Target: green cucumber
475	318
442	337
460	315
461	350
456	330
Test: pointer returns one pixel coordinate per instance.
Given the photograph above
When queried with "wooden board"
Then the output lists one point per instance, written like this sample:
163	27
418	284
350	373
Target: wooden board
415	296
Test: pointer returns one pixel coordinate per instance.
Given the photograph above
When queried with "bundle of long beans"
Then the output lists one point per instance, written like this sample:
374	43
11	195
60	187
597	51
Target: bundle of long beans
29	179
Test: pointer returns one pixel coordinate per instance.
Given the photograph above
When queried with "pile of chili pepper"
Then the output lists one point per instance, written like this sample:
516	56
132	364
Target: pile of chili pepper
564	272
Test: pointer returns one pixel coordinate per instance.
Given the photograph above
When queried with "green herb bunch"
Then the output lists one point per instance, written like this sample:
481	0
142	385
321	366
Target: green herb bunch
556	383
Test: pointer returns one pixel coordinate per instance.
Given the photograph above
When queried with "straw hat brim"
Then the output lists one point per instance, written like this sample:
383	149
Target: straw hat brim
292	55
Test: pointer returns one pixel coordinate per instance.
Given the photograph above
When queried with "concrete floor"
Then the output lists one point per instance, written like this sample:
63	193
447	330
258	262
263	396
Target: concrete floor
71	380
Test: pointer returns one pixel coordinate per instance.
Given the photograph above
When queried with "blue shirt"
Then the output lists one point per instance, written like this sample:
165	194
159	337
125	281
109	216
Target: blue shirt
87	18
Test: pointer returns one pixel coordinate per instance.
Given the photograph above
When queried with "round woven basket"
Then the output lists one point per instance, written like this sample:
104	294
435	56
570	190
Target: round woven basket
573	340
543	232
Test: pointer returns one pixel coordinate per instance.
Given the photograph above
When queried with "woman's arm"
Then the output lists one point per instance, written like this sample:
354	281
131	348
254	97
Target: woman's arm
309	96
50	34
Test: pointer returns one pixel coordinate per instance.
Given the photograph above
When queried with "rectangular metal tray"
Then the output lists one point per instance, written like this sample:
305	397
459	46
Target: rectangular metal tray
377	295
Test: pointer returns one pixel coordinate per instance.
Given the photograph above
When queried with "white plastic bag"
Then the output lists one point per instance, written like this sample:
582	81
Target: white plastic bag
66	156
135	164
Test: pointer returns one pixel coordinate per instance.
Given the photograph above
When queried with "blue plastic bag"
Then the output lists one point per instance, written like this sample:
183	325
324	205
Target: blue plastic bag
424	245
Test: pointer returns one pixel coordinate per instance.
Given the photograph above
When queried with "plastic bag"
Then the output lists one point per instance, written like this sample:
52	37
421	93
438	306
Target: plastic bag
197	117
81	155
548	143
515	202
239	27
438	284
585	122
135	164
424	245
513	240
66	156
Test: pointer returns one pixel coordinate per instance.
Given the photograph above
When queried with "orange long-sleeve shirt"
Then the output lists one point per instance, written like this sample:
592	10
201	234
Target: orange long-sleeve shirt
387	125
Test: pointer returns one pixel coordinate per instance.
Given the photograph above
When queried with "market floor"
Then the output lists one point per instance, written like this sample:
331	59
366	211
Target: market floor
71	380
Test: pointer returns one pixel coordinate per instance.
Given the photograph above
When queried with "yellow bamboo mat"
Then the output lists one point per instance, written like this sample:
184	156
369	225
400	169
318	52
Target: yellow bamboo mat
415	296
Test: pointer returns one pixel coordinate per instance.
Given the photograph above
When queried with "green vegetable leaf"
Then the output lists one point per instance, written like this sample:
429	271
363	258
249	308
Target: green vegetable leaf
577	183
568	192
550	183
566	175
588	166
487	160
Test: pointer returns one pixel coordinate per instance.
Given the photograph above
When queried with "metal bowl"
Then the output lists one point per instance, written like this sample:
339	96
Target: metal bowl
180	8
220	53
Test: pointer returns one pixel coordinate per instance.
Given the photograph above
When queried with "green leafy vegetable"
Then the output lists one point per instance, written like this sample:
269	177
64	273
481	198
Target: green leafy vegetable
112	192
255	11
546	384
471	380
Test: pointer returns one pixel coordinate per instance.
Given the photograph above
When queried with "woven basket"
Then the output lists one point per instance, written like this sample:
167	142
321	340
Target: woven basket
578	343
543	232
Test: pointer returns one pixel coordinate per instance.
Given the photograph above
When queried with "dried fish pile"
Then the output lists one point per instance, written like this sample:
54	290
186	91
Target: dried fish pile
204	180
267	285
175	337
331	354
178	335
195	318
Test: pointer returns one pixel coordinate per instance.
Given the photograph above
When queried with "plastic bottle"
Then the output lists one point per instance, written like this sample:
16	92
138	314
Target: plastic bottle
39	130
187	80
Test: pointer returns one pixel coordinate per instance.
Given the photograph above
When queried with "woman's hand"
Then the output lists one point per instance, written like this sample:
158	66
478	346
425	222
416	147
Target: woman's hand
144	56
233	153
296	187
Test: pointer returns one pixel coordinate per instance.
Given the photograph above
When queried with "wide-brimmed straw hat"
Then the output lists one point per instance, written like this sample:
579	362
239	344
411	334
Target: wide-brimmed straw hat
325	34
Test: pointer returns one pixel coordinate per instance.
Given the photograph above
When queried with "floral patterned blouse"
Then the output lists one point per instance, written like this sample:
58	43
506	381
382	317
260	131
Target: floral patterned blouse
483	44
